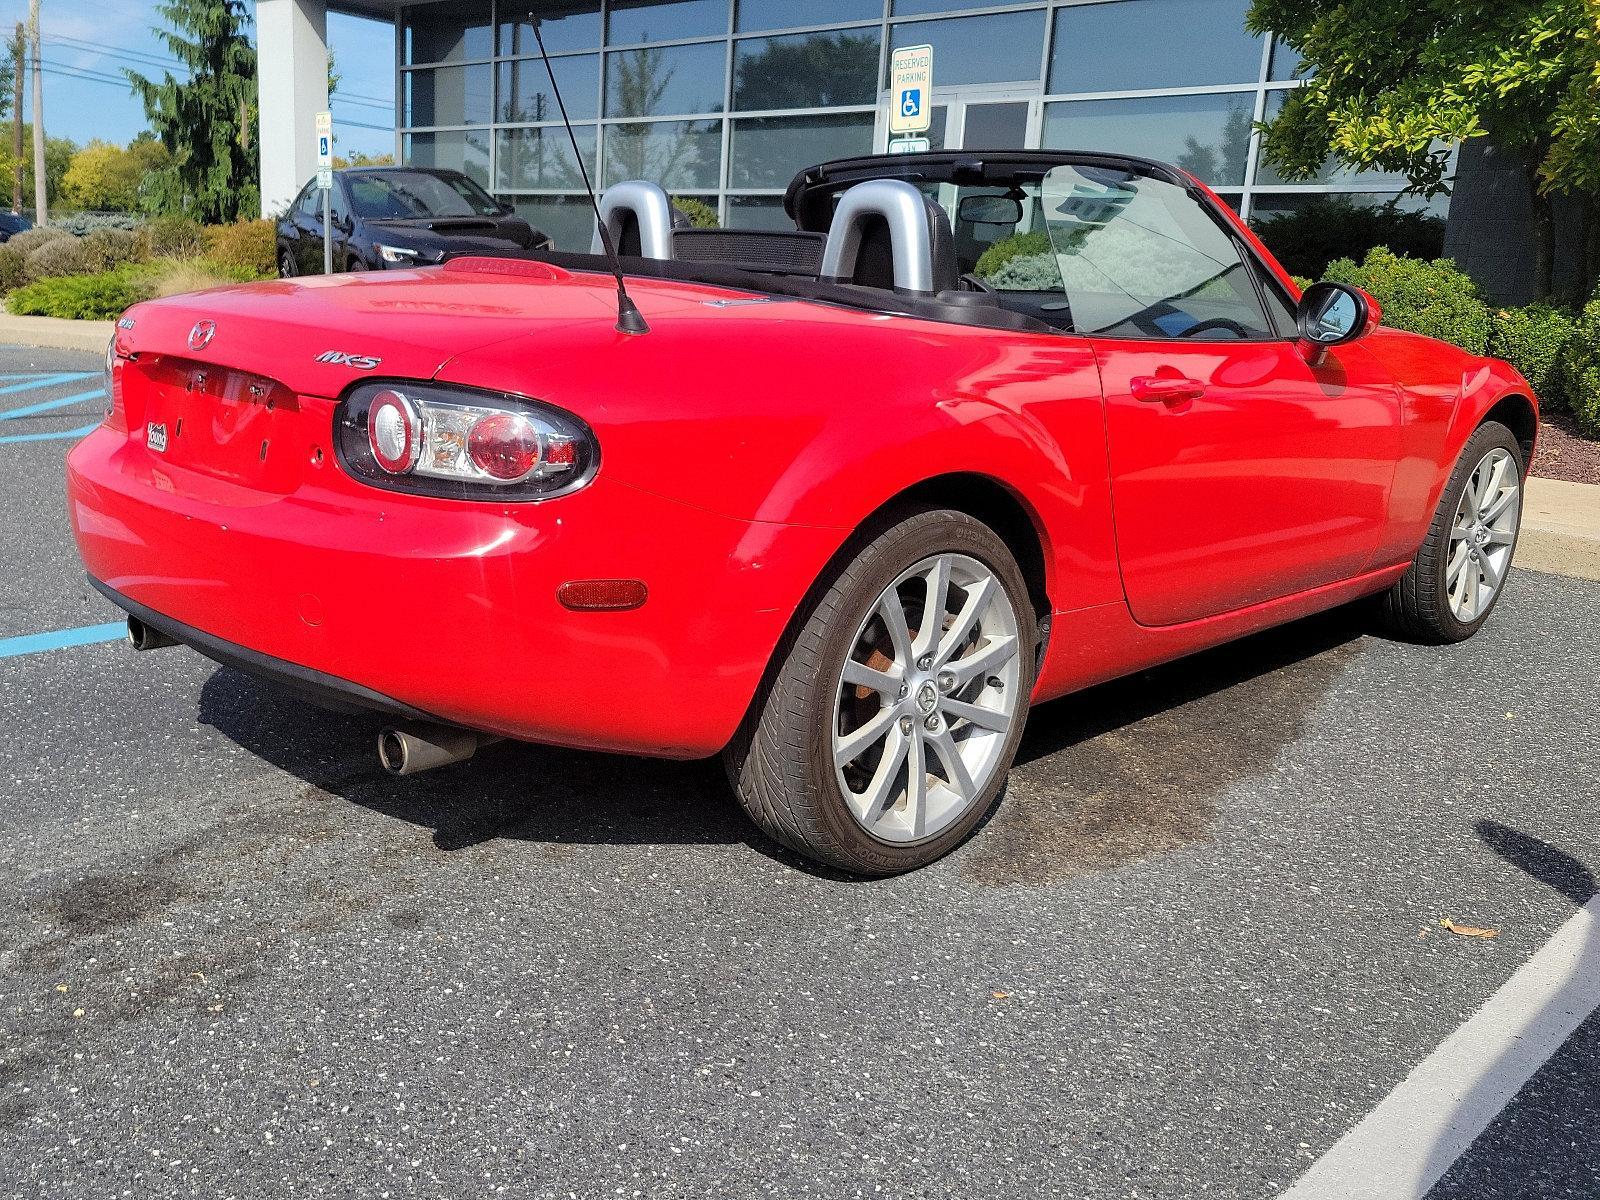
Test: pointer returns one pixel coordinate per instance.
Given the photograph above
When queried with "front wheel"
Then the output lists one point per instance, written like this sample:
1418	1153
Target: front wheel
286	264
890	723
1460	572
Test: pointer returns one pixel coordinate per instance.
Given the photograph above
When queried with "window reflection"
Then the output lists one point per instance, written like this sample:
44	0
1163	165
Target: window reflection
564	25
815	70
1136	44
999	48
525	94
665	80
684	155
785	14
535	159
663	20
449	32
466	151
1208	136
568	221
449	95
767	151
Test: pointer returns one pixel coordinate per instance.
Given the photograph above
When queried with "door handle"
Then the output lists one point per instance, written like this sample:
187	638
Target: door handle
1166	389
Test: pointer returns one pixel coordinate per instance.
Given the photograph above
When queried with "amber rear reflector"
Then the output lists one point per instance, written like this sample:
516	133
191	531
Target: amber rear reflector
602	595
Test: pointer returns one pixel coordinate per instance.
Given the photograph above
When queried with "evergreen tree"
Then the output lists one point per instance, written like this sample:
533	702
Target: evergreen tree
208	123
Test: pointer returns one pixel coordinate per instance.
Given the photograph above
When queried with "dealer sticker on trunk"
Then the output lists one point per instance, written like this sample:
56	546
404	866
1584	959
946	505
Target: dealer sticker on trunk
155	436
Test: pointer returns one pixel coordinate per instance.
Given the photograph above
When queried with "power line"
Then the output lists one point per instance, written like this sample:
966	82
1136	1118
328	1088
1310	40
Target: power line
120	52
122	83
86	72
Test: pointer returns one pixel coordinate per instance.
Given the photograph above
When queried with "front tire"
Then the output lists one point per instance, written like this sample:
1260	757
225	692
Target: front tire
890	722
286	264
1459	574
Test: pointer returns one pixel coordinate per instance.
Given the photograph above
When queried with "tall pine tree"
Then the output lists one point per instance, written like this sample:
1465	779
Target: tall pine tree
208	123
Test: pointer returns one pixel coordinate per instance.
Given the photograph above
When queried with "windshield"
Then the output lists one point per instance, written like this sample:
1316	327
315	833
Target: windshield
409	195
1104	250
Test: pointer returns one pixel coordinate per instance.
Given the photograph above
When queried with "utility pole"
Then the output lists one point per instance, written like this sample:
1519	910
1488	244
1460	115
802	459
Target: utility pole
19	66
41	200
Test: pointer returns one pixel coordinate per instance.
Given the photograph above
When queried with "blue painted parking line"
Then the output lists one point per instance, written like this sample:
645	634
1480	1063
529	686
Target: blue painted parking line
49	405
38	643
46	381
50	437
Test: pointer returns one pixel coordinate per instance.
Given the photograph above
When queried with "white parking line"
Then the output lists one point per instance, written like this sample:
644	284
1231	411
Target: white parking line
1403	1147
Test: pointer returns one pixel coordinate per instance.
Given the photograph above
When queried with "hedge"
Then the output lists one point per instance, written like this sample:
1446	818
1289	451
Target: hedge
1431	298
60	256
247	246
1580	370
1534	340
80	297
1328	228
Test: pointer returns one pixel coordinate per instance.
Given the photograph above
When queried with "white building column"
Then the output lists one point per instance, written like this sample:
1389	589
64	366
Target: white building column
292	77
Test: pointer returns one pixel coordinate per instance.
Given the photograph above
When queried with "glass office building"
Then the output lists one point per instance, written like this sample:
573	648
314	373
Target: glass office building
724	100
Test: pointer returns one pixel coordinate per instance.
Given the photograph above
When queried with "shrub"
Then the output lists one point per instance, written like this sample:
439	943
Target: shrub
84	223
1018	245
1534	341
700	214
1306	240
178	276
106	249
26	242
1580	370
57	257
248	246
12	268
1431	298
174	237
80	297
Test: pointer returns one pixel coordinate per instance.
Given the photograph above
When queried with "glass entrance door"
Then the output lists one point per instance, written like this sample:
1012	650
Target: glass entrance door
975	120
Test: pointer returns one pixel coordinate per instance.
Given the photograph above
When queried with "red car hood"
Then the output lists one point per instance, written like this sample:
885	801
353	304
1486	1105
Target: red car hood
401	323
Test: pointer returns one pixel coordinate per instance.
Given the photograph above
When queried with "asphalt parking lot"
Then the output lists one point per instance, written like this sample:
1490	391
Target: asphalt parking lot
1195	947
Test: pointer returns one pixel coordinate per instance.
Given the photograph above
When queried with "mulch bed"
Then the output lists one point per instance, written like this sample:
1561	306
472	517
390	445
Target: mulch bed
1564	454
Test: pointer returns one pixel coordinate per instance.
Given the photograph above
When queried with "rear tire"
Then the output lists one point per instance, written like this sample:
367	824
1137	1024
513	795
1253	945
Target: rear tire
878	744
1459	574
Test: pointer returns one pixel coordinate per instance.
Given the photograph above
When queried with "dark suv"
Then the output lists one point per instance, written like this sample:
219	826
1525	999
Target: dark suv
399	217
13	223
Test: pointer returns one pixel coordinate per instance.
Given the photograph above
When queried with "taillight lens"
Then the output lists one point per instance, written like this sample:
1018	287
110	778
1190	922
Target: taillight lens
437	440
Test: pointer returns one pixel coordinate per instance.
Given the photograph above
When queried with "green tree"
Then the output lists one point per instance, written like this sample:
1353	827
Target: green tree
58	154
107	176
208	123
1398	82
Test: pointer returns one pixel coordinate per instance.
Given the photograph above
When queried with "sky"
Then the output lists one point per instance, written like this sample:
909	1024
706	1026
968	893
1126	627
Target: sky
88	43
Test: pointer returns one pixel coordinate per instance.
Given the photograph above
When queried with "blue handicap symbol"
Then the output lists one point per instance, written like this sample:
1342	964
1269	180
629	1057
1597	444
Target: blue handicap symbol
911	102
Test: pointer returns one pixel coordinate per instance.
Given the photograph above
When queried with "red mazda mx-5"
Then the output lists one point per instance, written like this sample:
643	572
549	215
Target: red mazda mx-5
837	501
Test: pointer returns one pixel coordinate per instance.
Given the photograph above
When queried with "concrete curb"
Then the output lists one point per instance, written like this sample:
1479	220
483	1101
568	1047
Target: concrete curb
52	333
1561	529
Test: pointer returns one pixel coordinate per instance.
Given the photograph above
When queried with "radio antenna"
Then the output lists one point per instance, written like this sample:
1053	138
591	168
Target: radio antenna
629	318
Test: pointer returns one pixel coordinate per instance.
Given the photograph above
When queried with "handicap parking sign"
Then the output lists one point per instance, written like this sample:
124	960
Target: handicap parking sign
910	89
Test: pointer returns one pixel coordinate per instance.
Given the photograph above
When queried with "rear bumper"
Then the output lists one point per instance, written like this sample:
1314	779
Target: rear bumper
448	610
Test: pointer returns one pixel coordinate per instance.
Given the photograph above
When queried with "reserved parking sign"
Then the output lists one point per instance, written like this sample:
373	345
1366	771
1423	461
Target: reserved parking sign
911	89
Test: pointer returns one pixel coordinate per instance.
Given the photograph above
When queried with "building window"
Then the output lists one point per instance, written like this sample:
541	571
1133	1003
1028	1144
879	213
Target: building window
663	81
727	99
679	155
663	20
1131	45
807	70
998	48
1208	136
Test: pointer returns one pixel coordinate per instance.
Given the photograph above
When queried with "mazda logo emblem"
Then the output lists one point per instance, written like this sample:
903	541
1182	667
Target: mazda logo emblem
202	333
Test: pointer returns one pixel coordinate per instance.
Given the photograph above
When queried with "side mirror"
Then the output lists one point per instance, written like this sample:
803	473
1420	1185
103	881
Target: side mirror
989	210
1332	314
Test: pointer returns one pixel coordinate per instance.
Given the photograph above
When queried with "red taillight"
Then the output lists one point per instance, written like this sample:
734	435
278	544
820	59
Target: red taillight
504	446
394	433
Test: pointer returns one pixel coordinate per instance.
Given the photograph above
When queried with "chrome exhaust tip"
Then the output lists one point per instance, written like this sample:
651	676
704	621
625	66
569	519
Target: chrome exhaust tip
142	637
412	749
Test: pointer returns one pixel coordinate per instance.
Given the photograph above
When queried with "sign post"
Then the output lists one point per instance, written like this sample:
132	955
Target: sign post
910	98
325	182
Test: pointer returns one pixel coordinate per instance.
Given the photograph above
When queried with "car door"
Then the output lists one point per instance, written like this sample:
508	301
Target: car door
1240	471
308	221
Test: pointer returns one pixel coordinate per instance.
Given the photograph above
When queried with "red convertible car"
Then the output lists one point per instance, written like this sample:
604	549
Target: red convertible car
838	502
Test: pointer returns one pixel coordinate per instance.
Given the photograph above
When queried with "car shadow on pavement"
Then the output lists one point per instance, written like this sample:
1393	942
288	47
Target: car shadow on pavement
1541	1144
1139	763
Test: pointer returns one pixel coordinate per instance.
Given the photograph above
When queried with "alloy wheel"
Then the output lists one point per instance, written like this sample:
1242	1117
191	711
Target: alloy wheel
929	691
1483	535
